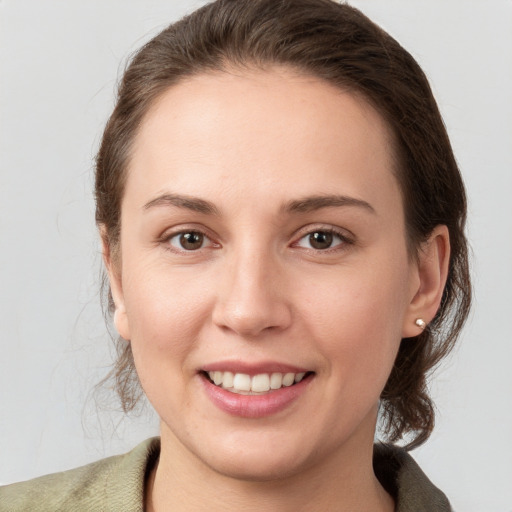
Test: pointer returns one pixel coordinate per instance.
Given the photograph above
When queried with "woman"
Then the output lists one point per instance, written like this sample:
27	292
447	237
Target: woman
282	221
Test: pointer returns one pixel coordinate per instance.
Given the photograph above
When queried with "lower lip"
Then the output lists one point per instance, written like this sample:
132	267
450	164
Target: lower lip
254	406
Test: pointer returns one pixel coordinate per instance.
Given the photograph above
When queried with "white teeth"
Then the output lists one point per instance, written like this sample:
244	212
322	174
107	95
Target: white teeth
261	383
288	379
227	381
276	380
242	382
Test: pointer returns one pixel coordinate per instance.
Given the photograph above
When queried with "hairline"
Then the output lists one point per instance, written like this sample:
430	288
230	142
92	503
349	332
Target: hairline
228	65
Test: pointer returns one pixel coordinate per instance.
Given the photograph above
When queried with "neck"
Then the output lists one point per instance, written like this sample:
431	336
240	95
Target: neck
344	481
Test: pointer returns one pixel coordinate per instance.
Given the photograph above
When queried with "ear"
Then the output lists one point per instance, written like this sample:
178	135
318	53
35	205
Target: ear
428	282
113	266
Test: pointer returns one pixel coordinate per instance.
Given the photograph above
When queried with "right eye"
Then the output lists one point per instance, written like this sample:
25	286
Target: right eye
189	240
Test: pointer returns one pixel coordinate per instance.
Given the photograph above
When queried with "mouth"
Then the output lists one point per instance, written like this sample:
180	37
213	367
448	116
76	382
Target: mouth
260	384
255	390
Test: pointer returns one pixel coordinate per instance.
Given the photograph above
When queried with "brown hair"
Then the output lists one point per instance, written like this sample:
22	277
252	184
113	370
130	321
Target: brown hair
337	43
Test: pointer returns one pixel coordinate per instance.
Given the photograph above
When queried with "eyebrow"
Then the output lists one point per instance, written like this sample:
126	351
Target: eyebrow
312	203
182	201
303	205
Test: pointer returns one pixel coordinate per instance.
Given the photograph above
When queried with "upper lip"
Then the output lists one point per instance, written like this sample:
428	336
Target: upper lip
253	368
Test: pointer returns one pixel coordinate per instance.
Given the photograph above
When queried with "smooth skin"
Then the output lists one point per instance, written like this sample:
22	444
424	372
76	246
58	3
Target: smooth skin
232	174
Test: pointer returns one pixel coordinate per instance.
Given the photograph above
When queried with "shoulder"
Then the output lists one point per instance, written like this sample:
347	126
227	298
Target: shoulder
115	483
401	476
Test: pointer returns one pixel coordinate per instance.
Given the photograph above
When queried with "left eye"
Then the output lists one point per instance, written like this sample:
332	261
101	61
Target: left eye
189	240
320	240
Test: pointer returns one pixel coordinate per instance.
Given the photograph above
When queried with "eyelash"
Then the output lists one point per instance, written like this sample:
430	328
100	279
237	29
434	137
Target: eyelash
167	238
341	235
344	239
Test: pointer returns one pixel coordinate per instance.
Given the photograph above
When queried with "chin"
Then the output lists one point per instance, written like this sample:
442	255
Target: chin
256	467
256	456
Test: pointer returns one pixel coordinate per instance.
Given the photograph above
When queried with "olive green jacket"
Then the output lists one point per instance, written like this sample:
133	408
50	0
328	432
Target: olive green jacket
116	484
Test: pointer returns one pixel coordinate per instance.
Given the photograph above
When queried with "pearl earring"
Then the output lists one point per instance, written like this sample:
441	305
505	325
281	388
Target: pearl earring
420	323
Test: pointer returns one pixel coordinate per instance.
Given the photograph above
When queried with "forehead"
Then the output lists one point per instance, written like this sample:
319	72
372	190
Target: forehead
262	132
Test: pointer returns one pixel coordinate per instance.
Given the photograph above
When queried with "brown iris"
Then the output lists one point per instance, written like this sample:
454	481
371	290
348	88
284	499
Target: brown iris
320	239
192	240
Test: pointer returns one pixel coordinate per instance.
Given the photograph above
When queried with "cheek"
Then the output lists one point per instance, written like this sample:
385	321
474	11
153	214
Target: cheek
166	313
357	319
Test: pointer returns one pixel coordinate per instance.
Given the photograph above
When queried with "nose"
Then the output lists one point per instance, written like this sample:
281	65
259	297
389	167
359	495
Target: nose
253	298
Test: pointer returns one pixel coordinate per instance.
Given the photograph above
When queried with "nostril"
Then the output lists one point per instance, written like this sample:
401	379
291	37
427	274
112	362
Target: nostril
249	302
252	322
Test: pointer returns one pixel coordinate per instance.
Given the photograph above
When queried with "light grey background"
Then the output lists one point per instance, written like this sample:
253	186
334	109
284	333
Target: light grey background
59	61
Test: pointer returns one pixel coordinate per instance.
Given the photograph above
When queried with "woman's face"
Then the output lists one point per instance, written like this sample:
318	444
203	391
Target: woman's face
263	235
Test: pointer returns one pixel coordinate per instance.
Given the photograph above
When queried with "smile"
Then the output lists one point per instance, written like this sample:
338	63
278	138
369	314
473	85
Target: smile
244	384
